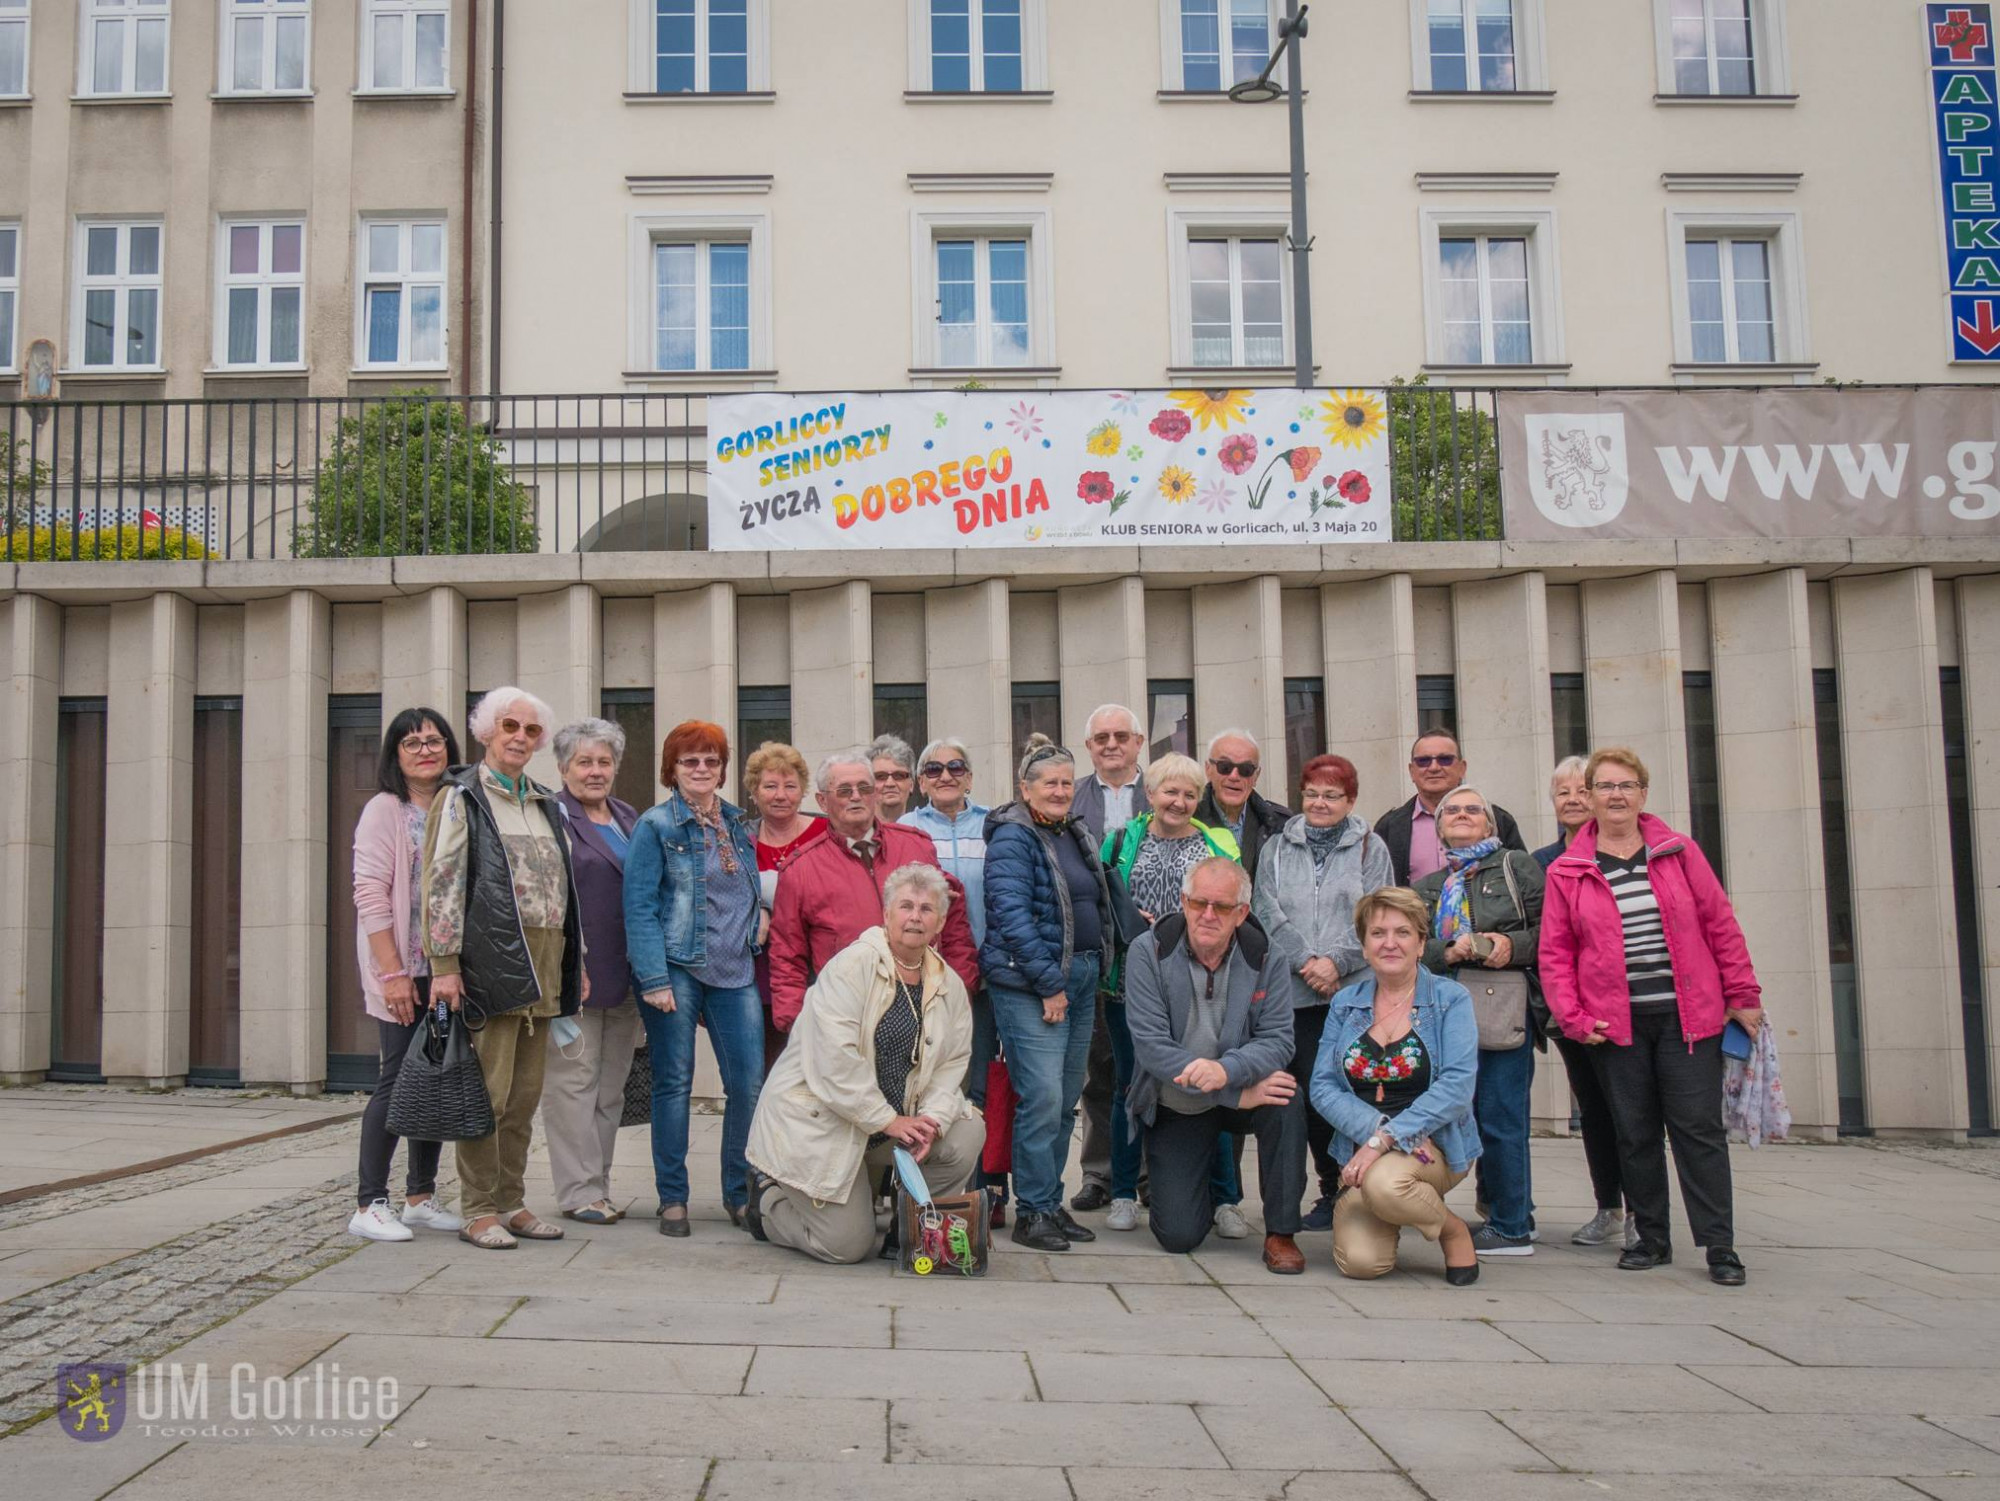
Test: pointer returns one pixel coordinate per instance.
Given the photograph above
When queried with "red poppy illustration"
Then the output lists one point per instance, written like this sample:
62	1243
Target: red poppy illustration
1172	424
1094	487
1354	487
1237	453
1302	461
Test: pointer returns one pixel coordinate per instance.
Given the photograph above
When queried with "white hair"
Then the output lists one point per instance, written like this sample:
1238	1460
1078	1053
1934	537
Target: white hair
1103	709
1492	825
854	755
1568	766
1233	734
1221	862
486	713
572	738
895	748
936	747
926	878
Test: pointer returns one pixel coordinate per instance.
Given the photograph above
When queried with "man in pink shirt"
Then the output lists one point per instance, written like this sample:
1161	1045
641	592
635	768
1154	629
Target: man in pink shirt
1437	766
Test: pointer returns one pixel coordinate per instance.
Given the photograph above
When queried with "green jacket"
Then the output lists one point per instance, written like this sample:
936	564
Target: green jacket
1120	852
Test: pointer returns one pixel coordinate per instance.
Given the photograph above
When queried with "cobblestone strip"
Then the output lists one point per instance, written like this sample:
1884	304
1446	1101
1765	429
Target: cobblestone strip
1980	1155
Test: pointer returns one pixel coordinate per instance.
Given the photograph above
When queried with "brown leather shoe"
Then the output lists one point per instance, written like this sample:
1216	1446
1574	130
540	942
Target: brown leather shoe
1283	1256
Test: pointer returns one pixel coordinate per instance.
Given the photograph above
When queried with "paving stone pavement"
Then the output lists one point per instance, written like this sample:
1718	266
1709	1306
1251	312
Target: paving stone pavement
1862	1363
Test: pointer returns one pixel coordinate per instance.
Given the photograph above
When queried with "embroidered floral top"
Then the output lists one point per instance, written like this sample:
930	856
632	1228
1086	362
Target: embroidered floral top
413	822
1391	1077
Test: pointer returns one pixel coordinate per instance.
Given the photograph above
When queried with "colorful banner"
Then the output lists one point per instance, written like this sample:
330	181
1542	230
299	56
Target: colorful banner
1780	462
1046	469
1965	101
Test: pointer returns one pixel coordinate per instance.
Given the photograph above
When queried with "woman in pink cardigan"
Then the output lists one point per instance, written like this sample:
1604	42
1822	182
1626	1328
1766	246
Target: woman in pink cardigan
1643	963
395	979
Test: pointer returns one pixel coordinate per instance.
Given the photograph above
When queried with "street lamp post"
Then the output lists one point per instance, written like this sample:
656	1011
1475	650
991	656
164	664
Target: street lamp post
1261	90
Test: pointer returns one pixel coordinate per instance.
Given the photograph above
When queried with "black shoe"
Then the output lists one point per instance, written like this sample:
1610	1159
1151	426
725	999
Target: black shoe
1320	1216
678	1228
1039	1232
892	1243
1643	1258
1725	1268
753	1207
1070	1228
1462	1276
1091	1196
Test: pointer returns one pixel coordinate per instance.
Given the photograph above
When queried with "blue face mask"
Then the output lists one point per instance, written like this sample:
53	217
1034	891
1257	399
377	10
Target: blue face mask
566	1031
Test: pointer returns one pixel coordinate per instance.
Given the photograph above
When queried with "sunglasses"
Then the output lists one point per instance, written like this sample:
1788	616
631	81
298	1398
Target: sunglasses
936	769
699	763
516	727
1461	810
1197	905
1113	737
1231	768
898	775
1433	761
852	789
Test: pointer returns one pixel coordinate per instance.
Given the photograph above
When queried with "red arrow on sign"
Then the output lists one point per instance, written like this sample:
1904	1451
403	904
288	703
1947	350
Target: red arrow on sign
1983	335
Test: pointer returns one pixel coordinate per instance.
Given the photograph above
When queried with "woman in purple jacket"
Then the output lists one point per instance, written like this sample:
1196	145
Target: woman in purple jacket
583	1093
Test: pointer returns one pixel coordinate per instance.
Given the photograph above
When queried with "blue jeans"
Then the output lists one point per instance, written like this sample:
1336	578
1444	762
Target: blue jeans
735	1019
1500	1105
1127	1146
1047	1064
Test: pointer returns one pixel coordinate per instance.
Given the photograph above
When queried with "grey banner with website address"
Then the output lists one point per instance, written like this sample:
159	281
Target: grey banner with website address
1812	462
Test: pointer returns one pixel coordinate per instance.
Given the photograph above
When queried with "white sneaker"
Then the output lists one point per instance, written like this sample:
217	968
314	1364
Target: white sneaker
431	1215
1123	1215
376	1223
1230	1224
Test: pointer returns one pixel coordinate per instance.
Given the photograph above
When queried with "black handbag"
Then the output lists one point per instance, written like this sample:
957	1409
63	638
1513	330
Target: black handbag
440	1092
638	1107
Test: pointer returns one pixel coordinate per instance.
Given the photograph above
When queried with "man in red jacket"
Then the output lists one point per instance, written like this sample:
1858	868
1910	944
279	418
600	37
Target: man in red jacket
831	890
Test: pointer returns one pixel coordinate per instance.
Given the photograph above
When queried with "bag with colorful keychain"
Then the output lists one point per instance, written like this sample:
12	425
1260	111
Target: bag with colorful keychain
940	1236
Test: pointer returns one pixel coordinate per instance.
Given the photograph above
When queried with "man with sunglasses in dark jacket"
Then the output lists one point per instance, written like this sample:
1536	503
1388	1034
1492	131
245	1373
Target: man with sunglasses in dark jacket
1232	800
1437	767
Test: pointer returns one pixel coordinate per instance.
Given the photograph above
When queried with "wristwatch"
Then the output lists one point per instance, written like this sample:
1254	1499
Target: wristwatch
1378	1143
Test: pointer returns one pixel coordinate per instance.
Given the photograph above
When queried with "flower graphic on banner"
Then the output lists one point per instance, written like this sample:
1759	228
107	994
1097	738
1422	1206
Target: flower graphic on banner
1214	497
1211	408
1354	488
1353	419
1093	487
1176	485
1024	421
1125	403
1172	425
1136	452
1299	460
1237	454
1303	462
1105	440
939	419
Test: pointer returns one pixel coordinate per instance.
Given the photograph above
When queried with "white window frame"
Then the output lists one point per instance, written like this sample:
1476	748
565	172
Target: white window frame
1034	50
408	279
1172	78
1032	225
231	11
10	327
410	10
1770	56
646	230
1780	229
264	282
20	13
1538	227
123	283
643	75
1243	222
1531	59
704	305
89	13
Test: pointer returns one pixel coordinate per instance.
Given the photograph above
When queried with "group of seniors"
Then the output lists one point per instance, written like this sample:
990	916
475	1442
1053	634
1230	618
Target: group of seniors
1364	1001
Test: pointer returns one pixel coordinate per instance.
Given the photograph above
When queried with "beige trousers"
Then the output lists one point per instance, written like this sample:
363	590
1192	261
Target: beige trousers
491	1170
582	1099
845	1233
1398	1191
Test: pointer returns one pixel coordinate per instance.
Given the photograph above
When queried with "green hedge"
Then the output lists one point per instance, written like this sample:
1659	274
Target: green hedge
53	544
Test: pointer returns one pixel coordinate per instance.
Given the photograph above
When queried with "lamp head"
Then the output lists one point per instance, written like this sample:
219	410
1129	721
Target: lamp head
1255	91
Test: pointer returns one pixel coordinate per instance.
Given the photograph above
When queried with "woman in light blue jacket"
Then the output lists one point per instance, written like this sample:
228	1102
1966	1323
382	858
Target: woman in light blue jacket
1395	1075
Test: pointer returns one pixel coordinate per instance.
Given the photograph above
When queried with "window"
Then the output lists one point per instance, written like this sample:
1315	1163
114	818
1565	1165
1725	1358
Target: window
10	291
761	714
402	293
1305	726
118	302
1037	710
1236	301
631	709
76	984
1169	717
698	46
1220	42
1570	713
982	302
1965	898
903	710
976	46
1437	701
13	49
1721	49
1489	293
263	293
264	46
1738	290
405	46
1704	767
701	305
1471	45
215	897
124	47
1839	907
353	746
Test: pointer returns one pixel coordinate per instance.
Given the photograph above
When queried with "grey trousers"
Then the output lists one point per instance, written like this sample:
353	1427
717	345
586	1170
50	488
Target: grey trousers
582	1099
845	1233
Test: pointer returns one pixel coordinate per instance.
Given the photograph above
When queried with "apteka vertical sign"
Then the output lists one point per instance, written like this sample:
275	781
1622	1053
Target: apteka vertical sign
1965	103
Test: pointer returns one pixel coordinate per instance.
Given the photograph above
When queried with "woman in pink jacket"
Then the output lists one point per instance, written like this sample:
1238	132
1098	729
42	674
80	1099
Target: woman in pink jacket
1642	962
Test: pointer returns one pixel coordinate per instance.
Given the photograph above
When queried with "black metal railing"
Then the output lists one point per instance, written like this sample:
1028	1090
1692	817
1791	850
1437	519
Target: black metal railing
431	474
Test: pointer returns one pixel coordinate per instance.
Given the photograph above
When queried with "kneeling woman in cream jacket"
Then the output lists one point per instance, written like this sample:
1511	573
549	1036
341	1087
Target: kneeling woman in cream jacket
876	1060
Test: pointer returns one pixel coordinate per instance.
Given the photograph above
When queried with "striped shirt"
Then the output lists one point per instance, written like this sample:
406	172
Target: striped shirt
1649	968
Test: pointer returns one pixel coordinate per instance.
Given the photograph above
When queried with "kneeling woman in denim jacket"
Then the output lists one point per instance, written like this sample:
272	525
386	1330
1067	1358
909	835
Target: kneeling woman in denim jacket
1395	1075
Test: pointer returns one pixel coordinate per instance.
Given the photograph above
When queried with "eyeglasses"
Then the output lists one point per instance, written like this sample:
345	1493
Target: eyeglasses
1196	905
1463	810
1429	761
516	727
1113	737
1628	788
897	775
699	763
1232	768
953	767
428	745
853	789
1322	795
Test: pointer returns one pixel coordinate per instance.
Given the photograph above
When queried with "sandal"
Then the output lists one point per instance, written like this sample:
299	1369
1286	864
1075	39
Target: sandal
493	1238
600	1213
535	1229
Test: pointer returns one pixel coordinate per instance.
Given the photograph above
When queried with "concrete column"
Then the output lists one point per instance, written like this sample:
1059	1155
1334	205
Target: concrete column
560	649
1979	677
1632	676
694	667
833	669
1905	928
148	834
969	677
1371	684
287	670
1767	752
423	656
33	636
1239	671
1101	633
1500	640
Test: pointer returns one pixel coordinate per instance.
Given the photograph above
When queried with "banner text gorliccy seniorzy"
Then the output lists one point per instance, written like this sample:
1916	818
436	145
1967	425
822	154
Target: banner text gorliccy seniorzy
1046	468
1798	462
